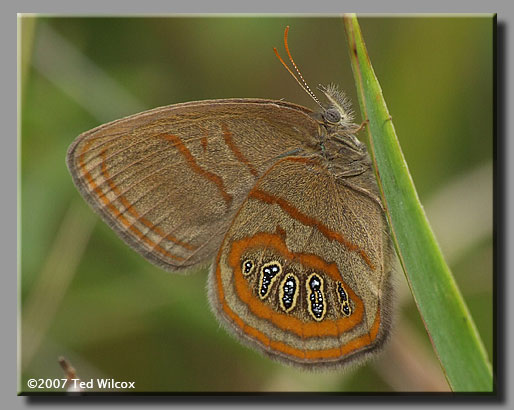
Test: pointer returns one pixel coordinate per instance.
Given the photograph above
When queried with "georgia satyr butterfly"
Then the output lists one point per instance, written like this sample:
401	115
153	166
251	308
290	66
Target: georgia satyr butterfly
282	199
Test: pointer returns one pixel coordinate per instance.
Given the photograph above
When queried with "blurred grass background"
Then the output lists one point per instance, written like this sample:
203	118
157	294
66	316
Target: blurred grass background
85	295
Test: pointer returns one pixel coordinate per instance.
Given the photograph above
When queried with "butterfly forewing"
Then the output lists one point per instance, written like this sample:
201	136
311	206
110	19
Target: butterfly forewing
170	180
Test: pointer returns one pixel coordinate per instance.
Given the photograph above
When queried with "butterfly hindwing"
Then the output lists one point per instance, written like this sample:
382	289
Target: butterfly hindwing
299	274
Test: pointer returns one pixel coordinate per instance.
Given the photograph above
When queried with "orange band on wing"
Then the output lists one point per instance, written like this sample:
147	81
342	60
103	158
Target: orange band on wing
216	179
203	141
281	347
116	213
333	353
128	207
307	220
285	321
227	136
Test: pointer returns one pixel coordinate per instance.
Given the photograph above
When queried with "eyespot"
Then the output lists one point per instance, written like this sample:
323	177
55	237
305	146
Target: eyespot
332	116
269	273
289	291
315	297
343	299
247	267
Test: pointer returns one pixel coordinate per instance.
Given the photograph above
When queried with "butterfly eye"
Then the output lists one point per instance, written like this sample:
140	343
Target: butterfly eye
332	116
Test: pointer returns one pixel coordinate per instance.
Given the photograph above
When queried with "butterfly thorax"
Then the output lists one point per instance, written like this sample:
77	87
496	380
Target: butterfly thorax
342	152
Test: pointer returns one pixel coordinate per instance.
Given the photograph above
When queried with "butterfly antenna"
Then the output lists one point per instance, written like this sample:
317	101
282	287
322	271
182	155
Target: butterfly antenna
302	83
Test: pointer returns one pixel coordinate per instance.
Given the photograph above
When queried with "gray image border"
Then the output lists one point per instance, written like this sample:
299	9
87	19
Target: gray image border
503	188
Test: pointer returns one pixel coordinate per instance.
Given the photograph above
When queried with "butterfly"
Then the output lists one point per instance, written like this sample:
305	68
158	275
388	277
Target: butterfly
282	200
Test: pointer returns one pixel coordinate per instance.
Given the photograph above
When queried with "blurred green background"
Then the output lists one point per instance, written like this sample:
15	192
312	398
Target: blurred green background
86	296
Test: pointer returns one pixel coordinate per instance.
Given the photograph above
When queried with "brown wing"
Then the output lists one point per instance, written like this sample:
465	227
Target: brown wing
302	272
169	180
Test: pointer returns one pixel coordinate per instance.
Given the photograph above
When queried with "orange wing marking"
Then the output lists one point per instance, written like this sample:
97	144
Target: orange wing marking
310	355
307	220
216	179
118	215
281	320
227	136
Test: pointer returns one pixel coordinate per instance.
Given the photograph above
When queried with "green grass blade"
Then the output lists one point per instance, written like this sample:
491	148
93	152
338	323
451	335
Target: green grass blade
446	317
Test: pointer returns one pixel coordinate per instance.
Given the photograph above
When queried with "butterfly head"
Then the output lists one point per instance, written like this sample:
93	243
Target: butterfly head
338	112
